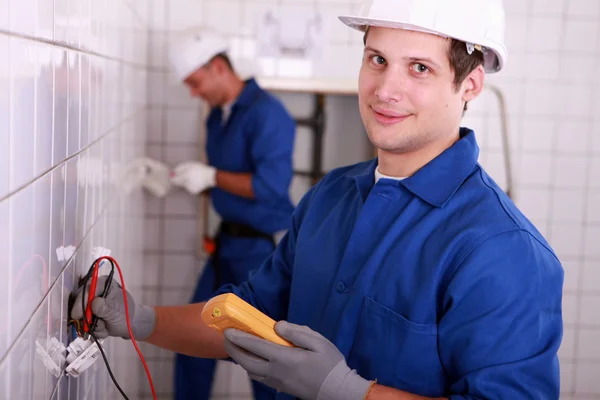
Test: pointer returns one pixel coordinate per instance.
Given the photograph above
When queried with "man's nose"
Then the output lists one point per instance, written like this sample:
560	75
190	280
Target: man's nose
391	87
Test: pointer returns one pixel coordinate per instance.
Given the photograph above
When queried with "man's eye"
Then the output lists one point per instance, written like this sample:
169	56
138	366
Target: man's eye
419	68
378	60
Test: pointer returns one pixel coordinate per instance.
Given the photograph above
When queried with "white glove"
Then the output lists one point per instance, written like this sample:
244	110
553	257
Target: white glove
157	177
195	177
143	172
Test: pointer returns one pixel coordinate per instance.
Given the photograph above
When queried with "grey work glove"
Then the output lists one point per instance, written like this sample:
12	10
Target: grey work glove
111	312
315	370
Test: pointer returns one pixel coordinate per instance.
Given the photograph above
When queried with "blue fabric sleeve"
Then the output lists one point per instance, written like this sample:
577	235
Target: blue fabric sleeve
268	289
502	325
272	153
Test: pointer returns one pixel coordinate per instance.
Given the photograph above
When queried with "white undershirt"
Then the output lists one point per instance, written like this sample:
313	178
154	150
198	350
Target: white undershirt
379	175
226	112
226	108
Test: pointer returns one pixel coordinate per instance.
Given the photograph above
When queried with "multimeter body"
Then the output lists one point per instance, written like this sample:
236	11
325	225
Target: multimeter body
229	311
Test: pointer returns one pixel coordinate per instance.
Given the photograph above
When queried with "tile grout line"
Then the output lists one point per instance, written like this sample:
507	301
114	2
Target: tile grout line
579	326
56	386
554	154
69	158
10	218
162	206
137	14
80	50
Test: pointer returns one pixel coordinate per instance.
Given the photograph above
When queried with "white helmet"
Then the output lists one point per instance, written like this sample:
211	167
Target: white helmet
194	50
479	23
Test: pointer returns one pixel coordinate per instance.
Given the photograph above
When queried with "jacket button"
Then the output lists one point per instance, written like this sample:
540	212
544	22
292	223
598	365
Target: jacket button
340	287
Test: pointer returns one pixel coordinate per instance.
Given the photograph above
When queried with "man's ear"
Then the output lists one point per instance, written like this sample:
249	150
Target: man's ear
218	65
473	84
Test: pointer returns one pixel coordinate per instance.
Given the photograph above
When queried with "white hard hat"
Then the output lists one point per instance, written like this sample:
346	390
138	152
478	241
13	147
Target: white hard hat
476	22
194	50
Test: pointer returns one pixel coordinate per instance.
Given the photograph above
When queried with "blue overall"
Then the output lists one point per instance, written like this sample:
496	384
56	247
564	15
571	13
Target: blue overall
258	137
435	285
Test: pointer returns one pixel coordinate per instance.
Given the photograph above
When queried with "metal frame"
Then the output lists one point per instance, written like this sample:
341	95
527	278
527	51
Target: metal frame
505	138
317	123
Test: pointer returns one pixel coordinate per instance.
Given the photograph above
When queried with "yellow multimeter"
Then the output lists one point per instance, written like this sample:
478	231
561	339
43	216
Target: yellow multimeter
229	311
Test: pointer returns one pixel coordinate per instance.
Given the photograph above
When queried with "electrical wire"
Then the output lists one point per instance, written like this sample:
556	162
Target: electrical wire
133	341
76	333
76	326
103	294
108	366
91	295
83	306
94	274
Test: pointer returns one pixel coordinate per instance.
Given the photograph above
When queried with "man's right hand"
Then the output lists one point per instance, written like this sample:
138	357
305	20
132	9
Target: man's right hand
195	177
111	312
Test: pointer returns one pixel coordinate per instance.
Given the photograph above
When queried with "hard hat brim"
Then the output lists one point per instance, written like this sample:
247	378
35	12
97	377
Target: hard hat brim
492	64
190	57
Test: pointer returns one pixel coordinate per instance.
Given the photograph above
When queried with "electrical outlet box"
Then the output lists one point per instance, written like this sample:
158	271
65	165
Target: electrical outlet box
64	253
52	354
97	252
82	354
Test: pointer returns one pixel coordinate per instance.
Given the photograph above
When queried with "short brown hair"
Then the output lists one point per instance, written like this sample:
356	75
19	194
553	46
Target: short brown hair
225	58
461	62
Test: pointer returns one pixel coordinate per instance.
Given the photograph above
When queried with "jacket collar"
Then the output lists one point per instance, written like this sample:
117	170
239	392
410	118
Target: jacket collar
437	181
249	93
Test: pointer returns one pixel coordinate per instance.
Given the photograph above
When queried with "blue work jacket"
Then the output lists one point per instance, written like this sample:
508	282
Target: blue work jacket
258	137
435	285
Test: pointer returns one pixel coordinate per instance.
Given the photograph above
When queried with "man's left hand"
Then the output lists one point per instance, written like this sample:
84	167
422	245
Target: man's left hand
315	369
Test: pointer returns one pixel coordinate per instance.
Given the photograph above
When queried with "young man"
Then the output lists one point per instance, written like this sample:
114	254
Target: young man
250	139
411	276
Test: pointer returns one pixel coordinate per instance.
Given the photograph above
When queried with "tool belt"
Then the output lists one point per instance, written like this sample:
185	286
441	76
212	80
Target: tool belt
233	229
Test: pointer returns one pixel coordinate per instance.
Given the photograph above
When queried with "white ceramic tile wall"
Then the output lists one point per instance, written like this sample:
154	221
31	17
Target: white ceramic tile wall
72	93
552	91
174	125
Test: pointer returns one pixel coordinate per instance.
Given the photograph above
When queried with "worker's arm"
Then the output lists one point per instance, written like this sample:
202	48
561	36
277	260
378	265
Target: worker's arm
501	327
196	177
242	183
271	137
271	141
380	392
181	330
238	183
271	148
272	132
176	328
